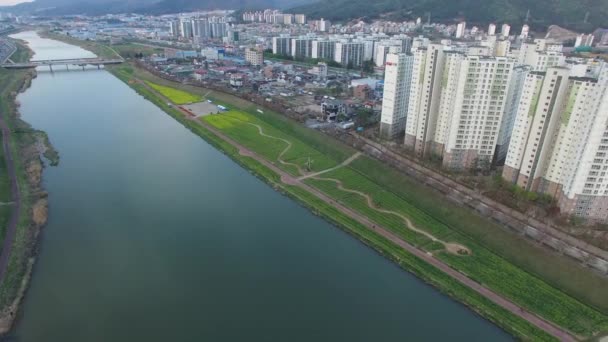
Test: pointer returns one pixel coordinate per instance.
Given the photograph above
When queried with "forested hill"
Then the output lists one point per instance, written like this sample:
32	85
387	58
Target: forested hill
566	13
98	7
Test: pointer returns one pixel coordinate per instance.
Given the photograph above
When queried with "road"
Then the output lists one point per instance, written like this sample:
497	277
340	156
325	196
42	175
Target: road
11	229
541	323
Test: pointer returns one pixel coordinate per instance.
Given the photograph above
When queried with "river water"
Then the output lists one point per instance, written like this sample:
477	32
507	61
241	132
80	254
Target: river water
155	236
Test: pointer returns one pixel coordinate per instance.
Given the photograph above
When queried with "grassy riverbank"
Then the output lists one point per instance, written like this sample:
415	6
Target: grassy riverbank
24	143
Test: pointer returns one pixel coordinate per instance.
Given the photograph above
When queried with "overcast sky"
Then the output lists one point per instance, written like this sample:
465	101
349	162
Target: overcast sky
11	2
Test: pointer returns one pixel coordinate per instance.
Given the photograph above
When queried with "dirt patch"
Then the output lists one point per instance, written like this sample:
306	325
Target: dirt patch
202	108
40	211
457	249
34	171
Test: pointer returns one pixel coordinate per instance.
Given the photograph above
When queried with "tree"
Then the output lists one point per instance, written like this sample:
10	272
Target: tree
368	66
365	117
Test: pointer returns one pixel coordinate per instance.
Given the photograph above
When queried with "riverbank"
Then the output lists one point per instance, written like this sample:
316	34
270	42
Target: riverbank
30	205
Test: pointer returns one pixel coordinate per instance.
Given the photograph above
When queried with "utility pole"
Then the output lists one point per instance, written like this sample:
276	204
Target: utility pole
586	17
527	16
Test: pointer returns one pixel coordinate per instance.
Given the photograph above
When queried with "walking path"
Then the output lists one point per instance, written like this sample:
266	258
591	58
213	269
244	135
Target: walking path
280	157
7	244
541	323
344	163
449	246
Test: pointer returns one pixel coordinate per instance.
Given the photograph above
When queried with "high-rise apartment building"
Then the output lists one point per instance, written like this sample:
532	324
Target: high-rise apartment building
559	144
506	30
185	28
460	29
516	87
477	101
425	94
349	54
281	45
300	19
491	29
398	73
301	47
174	28
323	49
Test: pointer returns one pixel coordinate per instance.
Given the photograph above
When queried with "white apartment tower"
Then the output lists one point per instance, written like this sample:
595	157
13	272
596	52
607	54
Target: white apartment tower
516	87
491	29
301	47
506	29
349	53
174	28
425	93
460	28
186	28
397	77
476	106
525	31
323	49
559	144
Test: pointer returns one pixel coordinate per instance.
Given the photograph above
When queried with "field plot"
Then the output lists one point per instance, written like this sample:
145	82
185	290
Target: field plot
288	153
176	96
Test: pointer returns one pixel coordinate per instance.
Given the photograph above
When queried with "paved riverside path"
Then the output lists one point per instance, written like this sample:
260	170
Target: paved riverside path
11	229
286	178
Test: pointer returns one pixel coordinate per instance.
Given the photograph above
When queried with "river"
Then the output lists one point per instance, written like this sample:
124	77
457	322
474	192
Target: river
154	235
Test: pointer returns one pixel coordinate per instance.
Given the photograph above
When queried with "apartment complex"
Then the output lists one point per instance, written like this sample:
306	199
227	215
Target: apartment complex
559	142
468	125
349	53
281	45
425	94
398	72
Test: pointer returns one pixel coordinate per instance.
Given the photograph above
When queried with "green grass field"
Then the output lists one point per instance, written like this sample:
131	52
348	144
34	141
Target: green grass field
176	96
239	125
507	263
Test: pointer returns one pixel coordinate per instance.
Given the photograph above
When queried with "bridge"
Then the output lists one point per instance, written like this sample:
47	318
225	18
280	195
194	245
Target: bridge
67	62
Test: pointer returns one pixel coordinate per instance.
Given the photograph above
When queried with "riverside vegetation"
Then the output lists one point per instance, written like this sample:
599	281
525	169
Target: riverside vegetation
26	145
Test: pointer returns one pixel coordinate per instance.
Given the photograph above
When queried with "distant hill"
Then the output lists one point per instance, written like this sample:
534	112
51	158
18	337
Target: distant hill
98	7
175	6
566	13
91	7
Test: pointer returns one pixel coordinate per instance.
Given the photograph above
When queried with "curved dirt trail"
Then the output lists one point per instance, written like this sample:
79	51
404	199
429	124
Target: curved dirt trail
449	246
280	156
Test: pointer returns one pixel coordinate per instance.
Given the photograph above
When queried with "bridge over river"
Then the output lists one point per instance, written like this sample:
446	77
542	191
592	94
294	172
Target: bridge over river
67	62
